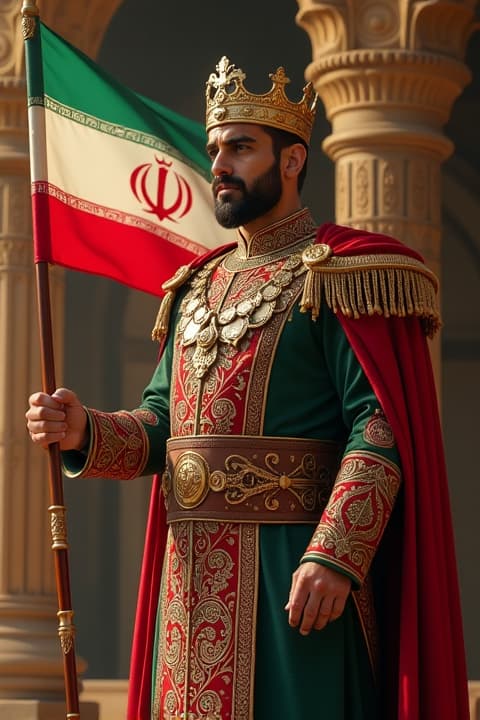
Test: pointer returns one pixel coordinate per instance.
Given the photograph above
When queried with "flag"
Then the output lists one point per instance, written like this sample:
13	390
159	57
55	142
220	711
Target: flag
120	184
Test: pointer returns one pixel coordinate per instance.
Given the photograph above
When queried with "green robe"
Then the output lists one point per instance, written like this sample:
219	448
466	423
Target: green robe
314	388
318	390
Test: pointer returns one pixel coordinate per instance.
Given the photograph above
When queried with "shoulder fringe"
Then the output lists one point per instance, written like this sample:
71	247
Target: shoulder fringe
389	285
162	322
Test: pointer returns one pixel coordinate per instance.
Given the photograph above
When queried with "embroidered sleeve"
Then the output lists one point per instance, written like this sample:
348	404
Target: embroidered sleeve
358	510
119	447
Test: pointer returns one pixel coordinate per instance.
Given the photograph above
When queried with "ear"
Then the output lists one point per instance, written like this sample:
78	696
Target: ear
293	160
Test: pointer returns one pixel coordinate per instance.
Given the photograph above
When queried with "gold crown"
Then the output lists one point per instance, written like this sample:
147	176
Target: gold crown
228	102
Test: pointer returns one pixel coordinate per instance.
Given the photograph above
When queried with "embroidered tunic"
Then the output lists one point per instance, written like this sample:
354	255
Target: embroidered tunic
243	360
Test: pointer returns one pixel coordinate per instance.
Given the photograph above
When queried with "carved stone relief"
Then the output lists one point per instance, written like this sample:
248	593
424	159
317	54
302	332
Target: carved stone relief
390	187
377	24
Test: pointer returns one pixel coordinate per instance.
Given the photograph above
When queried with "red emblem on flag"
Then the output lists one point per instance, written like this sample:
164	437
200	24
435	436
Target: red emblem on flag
165	200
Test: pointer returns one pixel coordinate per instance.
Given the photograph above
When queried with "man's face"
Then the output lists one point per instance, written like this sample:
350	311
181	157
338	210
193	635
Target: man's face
247	182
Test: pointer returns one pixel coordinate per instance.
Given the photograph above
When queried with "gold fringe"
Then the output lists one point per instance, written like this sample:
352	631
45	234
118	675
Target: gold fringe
160	329
389	285
162	322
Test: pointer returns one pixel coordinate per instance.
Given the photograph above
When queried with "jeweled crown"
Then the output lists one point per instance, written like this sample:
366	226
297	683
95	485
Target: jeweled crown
228	101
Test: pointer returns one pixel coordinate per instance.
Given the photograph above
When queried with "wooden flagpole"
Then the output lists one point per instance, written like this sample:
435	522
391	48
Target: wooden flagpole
57	510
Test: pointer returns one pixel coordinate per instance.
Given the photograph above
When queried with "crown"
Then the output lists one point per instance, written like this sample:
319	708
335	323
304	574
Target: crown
228	101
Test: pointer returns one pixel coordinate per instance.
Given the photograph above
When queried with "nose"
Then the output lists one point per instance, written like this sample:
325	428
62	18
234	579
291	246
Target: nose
220	165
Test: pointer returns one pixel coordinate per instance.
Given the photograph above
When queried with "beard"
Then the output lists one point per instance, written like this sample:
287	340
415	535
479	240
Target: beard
264	194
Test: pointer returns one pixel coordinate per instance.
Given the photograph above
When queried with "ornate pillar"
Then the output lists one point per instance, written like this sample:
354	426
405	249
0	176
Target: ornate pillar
31	674
388	72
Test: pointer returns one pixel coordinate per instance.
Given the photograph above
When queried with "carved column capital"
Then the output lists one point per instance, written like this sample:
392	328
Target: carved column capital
385	68
438	26
388	72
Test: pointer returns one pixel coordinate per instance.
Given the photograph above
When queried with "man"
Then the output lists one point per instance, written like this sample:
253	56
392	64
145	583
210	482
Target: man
297	577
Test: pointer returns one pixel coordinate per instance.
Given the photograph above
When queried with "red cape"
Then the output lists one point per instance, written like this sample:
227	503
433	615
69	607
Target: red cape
425	677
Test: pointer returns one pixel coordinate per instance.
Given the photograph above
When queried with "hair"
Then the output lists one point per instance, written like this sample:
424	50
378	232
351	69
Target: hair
282	139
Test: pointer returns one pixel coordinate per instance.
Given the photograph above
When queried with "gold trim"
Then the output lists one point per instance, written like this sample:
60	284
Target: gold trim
246	625
58	527
190	479
229	101
285	232
233	262
30	15
263	361
119	446
357	513
207	661
248	479
170	286
66	630
389	285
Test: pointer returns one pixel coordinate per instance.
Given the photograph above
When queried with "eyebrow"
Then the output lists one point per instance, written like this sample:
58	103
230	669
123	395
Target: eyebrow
232	141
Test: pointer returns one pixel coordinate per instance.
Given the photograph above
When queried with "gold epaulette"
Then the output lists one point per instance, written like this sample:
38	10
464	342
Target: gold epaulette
356	285
160	329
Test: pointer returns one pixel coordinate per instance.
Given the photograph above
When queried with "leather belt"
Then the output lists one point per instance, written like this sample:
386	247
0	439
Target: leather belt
250	479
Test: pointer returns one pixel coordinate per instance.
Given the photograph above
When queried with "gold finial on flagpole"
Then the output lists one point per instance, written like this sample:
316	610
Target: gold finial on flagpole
30	13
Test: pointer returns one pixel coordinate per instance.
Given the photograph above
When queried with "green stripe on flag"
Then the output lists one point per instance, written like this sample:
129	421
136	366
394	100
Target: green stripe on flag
74	81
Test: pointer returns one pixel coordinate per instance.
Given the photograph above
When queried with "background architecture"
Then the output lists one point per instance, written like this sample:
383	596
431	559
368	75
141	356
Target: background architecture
399	82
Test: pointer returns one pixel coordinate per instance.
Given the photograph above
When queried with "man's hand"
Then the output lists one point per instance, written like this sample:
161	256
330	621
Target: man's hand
317	596
57	418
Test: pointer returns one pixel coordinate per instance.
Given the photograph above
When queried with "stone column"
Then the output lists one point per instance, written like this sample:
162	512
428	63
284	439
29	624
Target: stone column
31	668
388	72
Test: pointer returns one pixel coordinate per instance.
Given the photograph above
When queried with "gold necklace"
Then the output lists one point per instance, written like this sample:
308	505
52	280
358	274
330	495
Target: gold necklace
206	328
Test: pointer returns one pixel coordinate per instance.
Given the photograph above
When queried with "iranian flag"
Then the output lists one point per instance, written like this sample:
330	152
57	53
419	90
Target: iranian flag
120	184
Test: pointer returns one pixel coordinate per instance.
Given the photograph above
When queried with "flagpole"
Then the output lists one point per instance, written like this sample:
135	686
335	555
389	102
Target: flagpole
57	510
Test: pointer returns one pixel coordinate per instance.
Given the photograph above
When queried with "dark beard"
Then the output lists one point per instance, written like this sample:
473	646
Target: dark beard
264	194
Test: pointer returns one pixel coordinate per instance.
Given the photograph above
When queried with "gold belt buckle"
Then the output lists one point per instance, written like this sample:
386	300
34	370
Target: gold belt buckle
190	479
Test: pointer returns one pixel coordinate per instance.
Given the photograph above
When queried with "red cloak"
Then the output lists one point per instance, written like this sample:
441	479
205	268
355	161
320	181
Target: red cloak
425	661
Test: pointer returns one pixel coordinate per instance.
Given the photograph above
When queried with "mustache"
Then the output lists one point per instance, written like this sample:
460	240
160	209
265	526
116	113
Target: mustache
229	181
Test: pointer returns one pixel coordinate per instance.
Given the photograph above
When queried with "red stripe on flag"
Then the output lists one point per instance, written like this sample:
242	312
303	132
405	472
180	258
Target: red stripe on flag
84	241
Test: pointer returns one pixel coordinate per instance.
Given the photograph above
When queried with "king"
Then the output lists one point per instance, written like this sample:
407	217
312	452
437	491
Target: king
292	426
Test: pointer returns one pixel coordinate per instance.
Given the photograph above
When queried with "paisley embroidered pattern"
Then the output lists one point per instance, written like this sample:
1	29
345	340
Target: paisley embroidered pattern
222	359
147	417
276	237
356	515
120	445
207	609
222	393
378	431
223	373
